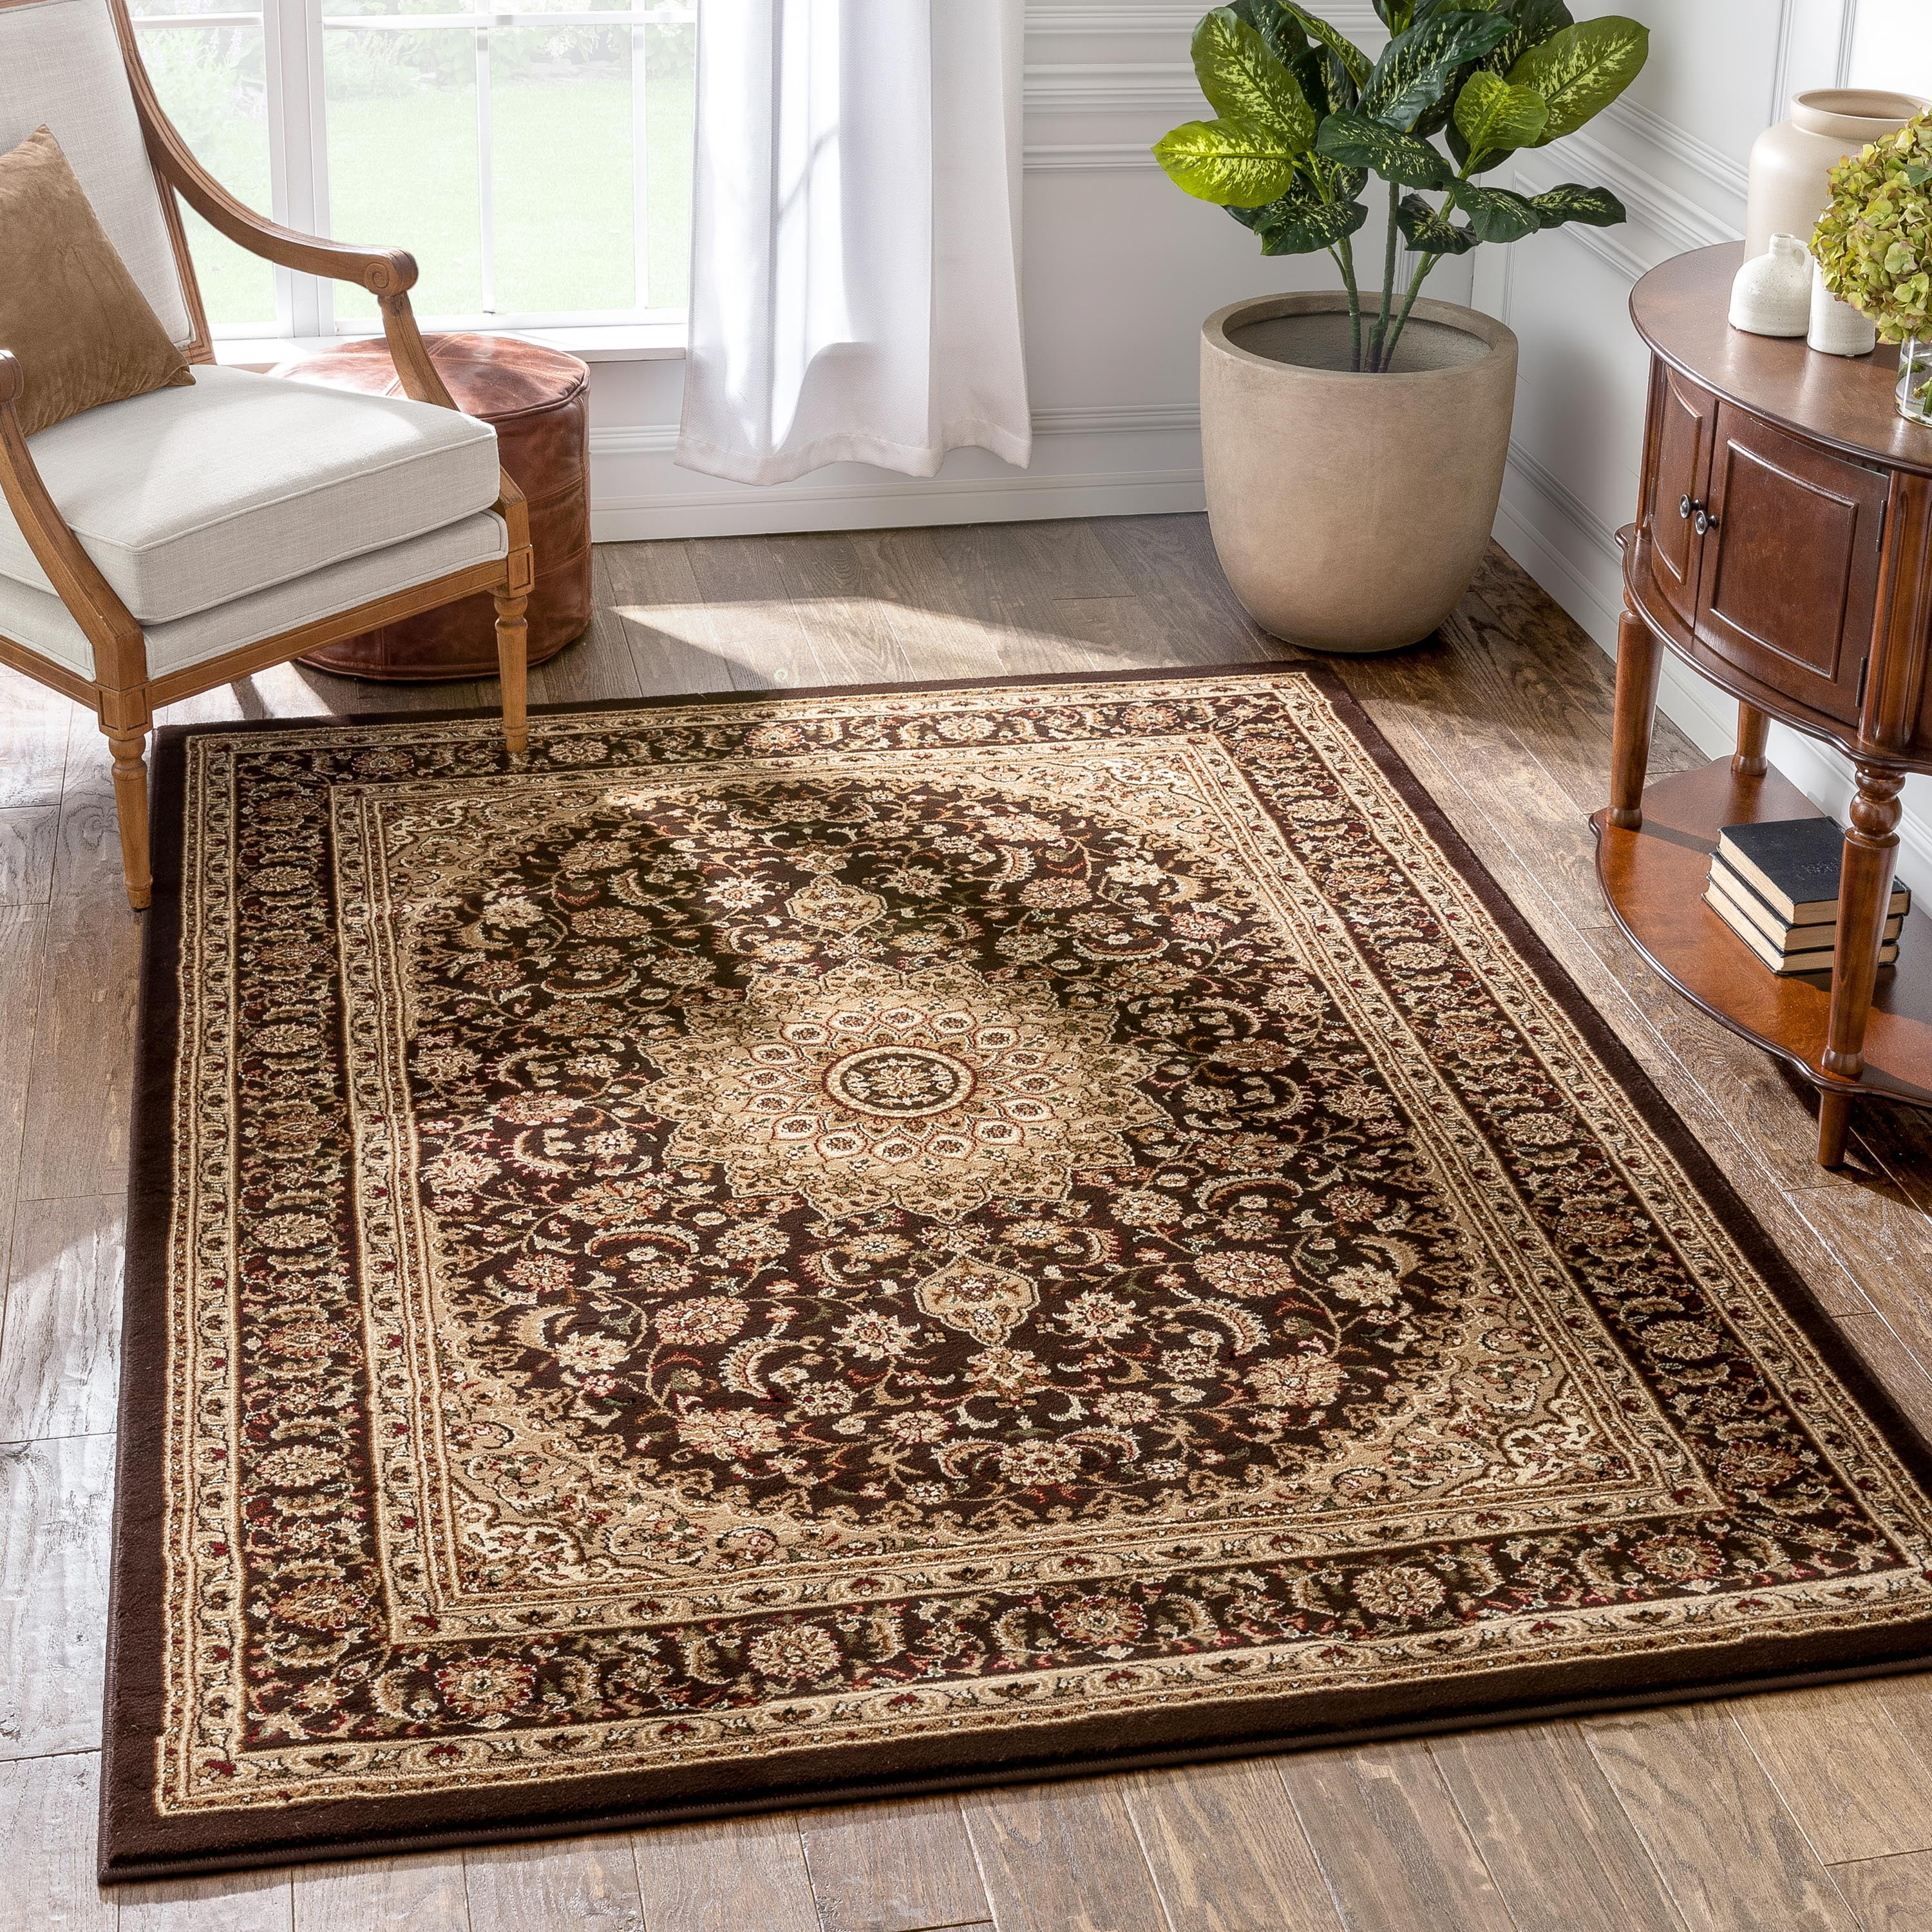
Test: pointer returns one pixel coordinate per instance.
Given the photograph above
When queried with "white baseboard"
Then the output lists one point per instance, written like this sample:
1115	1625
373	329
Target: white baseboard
743	511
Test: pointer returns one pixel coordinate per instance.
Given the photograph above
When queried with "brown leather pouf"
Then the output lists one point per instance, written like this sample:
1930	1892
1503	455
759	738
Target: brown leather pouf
538	399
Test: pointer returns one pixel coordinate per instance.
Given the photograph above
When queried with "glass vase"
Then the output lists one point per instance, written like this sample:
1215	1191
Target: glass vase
1915	379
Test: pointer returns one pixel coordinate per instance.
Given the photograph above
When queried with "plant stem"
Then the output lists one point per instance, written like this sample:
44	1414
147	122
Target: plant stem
1345	260
1388	278
1423	268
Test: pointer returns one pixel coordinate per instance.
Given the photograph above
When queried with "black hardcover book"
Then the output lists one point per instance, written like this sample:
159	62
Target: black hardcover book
1792	865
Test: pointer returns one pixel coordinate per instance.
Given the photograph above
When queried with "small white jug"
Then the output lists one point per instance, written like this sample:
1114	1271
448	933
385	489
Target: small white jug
1772	293
1837	327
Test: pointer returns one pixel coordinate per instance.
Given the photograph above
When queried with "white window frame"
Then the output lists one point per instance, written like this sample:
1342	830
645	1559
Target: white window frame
293	37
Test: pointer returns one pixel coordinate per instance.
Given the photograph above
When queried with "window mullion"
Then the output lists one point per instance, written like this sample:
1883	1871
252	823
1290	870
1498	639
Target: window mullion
486	193
640	189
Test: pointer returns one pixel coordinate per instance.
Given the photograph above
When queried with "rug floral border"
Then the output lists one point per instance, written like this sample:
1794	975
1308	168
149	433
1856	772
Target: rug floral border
1200	1720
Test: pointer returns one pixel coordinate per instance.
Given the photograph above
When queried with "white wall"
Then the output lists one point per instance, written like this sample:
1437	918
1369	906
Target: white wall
1120	267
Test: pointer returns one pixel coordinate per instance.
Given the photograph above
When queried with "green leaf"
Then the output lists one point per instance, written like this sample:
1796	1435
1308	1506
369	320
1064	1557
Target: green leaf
1310	225
1536	21
1494	117
1430	231
1244	82
1416	66
1277	27
1395	14
1362	143
1354	63
1594	207
1581	70
1495	213
1234	162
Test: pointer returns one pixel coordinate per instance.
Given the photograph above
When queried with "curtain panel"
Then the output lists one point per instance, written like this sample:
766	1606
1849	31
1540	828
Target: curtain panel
855	293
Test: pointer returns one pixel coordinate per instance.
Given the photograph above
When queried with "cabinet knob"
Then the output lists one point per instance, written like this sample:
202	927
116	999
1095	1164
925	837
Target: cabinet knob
1685	507
1705	521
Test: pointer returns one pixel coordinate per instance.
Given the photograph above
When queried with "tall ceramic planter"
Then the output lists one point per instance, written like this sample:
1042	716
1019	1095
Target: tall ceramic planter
1789	163
1350	511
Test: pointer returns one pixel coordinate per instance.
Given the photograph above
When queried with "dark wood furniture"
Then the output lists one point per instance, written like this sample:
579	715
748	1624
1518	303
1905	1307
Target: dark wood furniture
538	399
1783	549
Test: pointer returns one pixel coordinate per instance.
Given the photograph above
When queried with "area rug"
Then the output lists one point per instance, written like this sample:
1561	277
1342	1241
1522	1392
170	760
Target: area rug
845	1244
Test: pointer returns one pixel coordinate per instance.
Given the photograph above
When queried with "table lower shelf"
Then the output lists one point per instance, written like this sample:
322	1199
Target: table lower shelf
1653	880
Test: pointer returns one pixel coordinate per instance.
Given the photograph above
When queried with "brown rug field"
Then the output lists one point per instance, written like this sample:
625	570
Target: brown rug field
843	1244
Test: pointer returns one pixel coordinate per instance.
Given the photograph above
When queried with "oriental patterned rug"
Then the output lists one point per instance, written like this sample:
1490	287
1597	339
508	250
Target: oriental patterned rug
848	1243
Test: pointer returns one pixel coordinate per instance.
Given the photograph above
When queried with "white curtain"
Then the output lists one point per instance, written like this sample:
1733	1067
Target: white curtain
855	273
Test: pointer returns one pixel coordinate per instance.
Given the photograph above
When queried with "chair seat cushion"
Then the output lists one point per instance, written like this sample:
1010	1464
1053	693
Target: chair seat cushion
38	619
188	498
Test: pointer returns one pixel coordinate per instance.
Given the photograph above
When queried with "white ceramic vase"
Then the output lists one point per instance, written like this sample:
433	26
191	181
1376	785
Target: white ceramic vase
1771	294
1836	328
1790	163
1350	511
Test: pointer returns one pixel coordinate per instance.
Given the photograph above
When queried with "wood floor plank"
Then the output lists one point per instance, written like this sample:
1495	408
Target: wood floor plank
590	1883
60	1322
758	629
1558	1846
1731	1855
1889	1894
80	1087
847	623
236	1902
724	1876
34	725
1227	1852
598	665
27	839
87	838
676	640
414	1894
1390	1842
23	939
895	1867
1847	1773
55	1502
47	1811
1062	1858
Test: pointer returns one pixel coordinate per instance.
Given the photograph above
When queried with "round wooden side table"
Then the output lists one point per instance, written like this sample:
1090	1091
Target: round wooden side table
1783	551
538	401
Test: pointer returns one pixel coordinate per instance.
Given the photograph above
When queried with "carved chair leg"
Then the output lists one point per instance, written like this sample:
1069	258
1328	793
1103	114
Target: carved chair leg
513	666
1639	658
130	809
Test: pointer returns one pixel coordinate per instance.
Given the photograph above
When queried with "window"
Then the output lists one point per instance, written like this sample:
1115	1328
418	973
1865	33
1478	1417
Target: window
535	162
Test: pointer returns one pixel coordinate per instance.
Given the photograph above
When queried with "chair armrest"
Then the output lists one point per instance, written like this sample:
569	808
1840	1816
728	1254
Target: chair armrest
387	274
383	271
120	651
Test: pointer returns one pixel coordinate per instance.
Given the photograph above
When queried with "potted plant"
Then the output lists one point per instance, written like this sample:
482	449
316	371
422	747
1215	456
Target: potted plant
1355	449
1874	248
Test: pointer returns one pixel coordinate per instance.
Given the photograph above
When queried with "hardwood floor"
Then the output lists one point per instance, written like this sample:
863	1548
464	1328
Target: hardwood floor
1806	1811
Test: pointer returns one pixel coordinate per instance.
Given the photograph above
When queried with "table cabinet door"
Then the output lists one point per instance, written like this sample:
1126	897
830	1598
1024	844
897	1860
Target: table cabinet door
1683	422
1788	582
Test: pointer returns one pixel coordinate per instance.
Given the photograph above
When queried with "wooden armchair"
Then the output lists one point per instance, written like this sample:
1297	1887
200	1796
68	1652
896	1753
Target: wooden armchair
164	545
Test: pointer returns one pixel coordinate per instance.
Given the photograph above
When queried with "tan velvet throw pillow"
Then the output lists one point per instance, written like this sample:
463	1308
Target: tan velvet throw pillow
69	309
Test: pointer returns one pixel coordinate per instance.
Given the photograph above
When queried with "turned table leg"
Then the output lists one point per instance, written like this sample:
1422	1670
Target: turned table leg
1748	760
1864	893
1639	658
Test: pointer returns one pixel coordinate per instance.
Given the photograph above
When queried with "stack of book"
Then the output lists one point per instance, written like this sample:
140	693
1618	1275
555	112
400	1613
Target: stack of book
1776	886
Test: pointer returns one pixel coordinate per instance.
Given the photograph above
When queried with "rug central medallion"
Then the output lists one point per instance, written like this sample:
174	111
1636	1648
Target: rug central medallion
930	1091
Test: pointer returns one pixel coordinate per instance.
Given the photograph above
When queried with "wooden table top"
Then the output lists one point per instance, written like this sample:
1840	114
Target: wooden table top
1846	403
